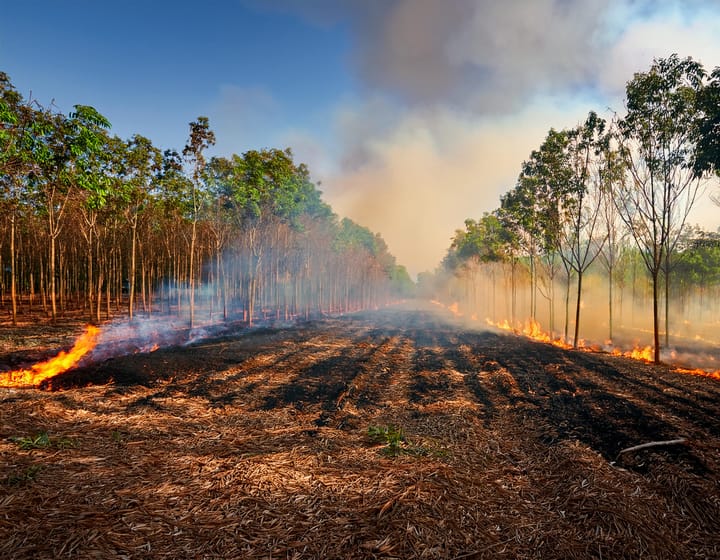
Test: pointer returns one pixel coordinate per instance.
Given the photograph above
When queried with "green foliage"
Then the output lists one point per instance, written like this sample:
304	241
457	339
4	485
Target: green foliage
708	132
486	240
391	436
24	476
257	215
396	442
41	441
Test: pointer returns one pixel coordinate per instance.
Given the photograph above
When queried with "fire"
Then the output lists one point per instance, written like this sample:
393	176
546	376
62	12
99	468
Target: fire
701	372
453	308
531	329
60	363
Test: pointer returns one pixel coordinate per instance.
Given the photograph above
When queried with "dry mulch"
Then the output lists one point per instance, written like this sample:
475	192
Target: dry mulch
256	444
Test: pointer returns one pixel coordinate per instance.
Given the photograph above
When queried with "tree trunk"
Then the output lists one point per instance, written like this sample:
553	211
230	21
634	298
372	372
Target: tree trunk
656	318
13	272
577	310
131	287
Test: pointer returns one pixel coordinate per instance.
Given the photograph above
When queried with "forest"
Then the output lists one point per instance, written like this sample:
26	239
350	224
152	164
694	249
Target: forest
201	363
95	225
600	212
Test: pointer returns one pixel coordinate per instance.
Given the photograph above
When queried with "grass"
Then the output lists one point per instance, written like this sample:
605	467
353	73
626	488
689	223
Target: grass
41	441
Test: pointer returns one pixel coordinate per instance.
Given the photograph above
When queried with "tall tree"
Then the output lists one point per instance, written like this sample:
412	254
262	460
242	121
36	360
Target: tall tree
657	142
201	138
581	201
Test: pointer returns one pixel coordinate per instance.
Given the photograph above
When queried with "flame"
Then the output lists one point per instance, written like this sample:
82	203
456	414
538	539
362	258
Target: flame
701	372
533	330
60	363
453	308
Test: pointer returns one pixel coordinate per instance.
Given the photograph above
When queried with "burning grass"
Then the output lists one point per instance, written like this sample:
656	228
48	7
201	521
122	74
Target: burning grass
266	445
54	366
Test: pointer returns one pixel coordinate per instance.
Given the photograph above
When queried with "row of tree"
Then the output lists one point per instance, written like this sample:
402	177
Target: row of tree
594	192
96	223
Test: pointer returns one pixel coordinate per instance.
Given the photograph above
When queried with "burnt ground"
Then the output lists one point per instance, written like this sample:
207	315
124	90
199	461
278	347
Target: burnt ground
256	444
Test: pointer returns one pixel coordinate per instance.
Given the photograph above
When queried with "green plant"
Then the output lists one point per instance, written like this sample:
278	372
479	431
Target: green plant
22	477
397	443
392	436
41	441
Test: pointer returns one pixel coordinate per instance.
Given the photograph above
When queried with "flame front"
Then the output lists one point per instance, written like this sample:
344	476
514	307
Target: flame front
60	363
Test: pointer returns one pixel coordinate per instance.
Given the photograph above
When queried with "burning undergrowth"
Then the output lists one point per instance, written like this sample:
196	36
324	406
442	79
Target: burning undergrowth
97	346
260	445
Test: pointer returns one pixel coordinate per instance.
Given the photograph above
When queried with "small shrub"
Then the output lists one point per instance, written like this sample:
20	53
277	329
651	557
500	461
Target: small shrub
41	441
392	436
23	477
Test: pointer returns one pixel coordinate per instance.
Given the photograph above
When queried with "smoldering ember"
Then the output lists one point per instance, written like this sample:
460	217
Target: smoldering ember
403	432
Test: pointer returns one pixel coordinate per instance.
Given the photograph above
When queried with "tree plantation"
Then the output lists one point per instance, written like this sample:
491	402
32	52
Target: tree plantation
613	200
96	224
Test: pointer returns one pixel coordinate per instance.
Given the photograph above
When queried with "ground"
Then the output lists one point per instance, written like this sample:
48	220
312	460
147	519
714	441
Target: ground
397	433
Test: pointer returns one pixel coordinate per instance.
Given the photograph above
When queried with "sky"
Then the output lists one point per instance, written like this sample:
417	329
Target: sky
412	115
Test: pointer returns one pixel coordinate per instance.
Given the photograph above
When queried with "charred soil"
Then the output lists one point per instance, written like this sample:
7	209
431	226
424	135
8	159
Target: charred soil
390	434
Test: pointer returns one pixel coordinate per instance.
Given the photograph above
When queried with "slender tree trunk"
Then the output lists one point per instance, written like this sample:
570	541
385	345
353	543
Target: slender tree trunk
667	298
13	272
577	310
192	273
131	287
610	303
656	318
53	302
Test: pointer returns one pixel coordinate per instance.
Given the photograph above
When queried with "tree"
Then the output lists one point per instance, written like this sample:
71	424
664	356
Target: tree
657	144
581	201
708	140
201	138
139	162
612	174
483	242
16	137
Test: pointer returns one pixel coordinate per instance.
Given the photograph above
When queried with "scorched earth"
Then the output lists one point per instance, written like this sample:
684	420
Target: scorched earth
398	433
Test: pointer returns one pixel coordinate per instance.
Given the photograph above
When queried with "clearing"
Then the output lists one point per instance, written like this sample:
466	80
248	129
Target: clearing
398	433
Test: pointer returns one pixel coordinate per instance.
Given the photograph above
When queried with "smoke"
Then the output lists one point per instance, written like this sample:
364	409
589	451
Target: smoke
484	294
453	96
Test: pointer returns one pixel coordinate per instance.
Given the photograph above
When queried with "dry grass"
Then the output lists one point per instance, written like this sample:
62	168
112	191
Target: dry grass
172	471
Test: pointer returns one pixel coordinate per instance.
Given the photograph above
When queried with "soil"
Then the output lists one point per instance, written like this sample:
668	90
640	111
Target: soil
398	433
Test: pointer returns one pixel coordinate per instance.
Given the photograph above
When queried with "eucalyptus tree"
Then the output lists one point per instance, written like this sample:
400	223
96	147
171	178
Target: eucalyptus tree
581	201
16	162
201	138
521	213
65	150
138	163
484	242
266	190
612	173
533	209
173	199
657	140
708	140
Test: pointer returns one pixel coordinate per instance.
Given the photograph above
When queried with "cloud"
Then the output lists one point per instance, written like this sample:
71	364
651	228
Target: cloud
672	30
454	96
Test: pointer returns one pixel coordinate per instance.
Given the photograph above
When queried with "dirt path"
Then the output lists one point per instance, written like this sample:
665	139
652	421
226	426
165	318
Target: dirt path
256	445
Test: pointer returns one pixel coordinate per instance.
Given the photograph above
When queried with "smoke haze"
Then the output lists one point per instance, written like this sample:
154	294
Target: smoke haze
457	94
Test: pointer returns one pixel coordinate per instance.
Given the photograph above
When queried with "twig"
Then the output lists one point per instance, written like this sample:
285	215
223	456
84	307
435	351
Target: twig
651	444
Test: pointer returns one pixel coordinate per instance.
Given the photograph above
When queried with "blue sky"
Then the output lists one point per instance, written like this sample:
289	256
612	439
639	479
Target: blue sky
414	114
153	66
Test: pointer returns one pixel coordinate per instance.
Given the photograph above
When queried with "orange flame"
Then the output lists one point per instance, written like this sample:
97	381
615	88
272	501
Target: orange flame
60	363
533	330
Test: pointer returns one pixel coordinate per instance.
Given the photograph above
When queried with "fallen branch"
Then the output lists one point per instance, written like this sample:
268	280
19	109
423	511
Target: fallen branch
651	444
